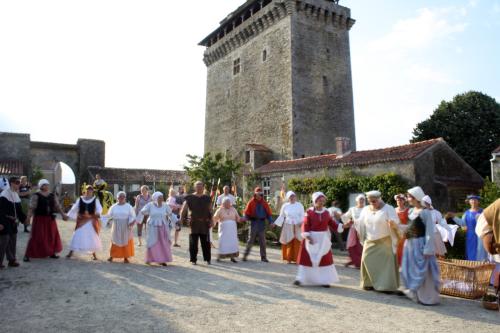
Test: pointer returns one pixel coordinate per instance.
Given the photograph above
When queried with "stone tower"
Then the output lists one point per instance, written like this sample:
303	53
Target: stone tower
279	75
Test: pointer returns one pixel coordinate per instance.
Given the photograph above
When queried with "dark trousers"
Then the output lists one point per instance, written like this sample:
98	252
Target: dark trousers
257	229
8	247
337	238
205	247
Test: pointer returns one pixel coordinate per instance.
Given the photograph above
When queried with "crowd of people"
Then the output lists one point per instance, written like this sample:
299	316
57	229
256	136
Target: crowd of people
395	248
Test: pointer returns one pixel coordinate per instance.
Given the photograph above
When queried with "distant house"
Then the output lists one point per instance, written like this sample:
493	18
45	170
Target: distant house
495	166
130	180
431	164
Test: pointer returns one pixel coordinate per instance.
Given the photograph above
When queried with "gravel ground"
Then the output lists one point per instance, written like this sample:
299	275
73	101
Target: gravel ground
80	295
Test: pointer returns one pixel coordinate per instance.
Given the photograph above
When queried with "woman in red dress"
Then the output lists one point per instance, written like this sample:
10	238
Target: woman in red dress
315	260
402	211
45	241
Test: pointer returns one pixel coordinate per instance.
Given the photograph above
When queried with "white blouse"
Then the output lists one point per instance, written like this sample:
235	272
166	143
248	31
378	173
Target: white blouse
374	224
158	216
291	213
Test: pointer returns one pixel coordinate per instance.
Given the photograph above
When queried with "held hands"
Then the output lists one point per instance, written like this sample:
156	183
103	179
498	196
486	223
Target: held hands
392	224
65	217
310	240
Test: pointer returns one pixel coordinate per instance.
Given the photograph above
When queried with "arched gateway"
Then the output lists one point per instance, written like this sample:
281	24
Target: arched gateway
20	155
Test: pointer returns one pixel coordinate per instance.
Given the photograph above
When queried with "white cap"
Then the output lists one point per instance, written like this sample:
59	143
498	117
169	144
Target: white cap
42	182
317	195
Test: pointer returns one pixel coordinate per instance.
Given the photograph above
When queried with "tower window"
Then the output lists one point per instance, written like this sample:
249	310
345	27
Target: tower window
325	81
264	55
236	66
247	157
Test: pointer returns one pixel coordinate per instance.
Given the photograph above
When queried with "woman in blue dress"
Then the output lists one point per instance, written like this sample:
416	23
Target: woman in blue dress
474	249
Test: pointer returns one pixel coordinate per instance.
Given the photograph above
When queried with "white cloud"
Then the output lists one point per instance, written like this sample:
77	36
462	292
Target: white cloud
422	31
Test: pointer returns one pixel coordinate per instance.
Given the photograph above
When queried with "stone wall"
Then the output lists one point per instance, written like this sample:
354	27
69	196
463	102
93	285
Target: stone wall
14	146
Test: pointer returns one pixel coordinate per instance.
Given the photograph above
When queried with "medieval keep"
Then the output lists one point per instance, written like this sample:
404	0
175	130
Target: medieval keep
279	78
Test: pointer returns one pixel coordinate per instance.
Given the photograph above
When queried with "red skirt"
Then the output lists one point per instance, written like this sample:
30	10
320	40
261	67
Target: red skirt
45	240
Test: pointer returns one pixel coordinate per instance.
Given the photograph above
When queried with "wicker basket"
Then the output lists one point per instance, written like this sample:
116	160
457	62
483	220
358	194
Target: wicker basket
464	278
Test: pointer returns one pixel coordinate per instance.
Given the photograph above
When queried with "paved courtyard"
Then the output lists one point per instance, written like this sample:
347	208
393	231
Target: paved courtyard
80	295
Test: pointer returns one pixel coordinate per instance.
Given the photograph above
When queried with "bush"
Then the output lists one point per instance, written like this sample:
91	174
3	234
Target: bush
489	193
339	188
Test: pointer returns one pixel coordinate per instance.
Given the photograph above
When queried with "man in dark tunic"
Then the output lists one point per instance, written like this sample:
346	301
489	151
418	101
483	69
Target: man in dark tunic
10	212
197	212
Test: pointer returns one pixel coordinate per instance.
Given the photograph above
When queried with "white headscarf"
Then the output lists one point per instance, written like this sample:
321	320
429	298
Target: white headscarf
374	194
359	197
317	195
289	194
42	182
427	200
120	193
417	193
156	195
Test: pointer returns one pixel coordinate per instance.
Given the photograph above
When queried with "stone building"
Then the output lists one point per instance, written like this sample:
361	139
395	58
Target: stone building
495	166
431	164
279	76
130	180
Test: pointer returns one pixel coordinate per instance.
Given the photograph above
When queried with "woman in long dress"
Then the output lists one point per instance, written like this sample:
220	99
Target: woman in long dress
45	240
159	219
420	270
437	218
379	233
140	201
121	218
474	249
86	211
290	220
315	261
227	217
402	211
350	220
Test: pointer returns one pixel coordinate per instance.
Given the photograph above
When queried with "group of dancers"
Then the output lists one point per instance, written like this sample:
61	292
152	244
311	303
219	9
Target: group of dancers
387	244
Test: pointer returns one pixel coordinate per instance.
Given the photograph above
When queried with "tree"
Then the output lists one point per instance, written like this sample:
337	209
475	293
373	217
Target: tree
36	175
210	168
470	124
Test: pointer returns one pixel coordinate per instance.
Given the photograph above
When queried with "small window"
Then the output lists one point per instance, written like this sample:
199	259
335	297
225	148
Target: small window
264	55
325	81
247	156
266	187
236	66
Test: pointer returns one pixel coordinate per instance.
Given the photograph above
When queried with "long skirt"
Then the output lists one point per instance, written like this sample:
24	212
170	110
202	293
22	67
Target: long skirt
126	251
290	251
439	244
161	251
379	268
228	240
420	273
45	240
354	248
85	239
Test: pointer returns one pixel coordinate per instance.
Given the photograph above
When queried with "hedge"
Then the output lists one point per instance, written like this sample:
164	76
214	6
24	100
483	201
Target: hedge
389	184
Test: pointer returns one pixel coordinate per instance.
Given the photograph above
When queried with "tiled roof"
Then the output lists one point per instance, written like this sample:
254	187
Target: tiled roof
138	176
14	168
258	147
497	150
385	155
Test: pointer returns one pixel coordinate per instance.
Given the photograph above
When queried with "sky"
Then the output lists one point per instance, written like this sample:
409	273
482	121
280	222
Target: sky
131	73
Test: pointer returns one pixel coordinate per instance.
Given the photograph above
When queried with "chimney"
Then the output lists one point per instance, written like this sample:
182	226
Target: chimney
343	146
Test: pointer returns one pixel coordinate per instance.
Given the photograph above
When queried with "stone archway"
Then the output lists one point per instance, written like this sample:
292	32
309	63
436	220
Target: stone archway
85	153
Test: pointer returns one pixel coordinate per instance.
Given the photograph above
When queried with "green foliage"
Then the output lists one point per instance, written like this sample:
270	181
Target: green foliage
470	124
251	181
36	175
210	168
339	188
489	193
163	188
